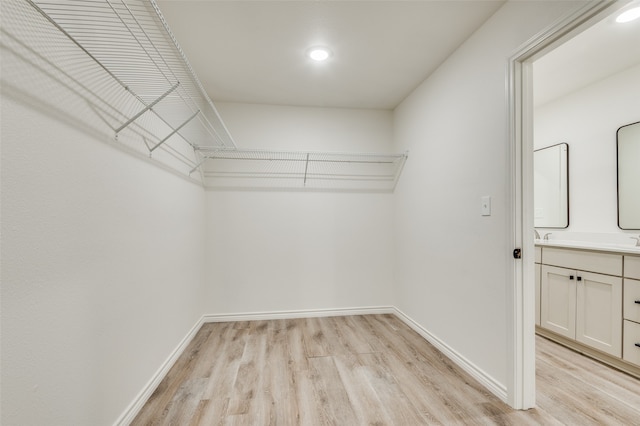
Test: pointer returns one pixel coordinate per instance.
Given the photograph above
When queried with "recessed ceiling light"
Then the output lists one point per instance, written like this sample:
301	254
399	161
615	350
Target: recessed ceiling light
319	53
629	15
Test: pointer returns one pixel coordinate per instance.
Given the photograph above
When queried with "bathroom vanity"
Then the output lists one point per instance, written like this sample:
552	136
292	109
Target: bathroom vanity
588	298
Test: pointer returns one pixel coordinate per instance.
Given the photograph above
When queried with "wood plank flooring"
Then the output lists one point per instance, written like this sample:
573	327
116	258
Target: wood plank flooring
367	370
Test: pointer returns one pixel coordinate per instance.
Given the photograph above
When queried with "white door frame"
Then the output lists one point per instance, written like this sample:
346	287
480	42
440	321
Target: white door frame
521	388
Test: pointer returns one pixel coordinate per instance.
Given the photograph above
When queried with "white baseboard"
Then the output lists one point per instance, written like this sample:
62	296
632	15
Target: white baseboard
134	408
486	380
307	313
495	387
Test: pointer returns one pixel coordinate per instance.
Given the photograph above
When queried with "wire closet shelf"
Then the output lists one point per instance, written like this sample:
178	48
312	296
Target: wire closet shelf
235	169
115	67
119	60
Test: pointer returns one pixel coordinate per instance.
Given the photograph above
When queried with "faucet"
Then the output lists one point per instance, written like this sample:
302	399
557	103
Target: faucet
637	240
535	231
546	236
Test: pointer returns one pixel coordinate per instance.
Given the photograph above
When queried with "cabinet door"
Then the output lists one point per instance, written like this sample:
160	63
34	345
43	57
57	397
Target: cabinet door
558	300
538	268
631	351
599	312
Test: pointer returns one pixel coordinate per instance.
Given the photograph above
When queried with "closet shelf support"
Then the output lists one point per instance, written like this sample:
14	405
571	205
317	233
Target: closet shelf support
306	167
147	108
174	131
200	163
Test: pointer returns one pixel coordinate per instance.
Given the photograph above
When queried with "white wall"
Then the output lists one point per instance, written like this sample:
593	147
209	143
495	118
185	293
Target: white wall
102	271
452	264
275	127
294	250
588	120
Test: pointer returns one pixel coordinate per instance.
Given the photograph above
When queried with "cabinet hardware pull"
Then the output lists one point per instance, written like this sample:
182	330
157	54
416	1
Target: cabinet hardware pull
570	277
579	278
638	345
637	301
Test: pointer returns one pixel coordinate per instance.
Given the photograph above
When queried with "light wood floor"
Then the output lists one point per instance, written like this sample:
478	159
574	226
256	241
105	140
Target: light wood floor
367	370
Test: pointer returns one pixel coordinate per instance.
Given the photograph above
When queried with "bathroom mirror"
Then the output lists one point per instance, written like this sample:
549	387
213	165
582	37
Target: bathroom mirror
628	146
551	186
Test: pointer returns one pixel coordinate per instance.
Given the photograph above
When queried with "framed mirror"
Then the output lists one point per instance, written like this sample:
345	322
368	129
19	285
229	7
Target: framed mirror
628	149
551	186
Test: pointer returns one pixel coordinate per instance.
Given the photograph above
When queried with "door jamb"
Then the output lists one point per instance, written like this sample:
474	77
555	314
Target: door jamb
521	388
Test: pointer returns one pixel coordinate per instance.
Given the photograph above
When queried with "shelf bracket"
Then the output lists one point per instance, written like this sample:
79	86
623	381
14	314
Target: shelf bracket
199	164
174	131
306	166
147	108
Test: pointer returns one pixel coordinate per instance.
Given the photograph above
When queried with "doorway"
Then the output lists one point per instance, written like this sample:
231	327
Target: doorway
521	76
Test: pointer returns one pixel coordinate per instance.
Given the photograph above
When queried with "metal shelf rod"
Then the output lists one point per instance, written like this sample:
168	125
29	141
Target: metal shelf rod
296	160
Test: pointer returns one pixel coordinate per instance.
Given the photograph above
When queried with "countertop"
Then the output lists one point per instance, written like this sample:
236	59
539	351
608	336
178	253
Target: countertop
587	245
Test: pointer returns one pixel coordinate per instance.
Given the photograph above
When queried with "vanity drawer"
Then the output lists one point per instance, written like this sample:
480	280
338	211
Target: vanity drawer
630	308
632	267
538	254
631	352
603	263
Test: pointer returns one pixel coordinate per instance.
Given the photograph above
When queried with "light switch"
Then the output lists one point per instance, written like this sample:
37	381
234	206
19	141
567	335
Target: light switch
486	205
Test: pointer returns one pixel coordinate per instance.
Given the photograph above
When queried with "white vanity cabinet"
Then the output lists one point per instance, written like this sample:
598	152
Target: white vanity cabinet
590	302
631	308
583	304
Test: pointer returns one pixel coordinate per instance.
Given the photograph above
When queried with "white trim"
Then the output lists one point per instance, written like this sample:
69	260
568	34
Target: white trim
306	313
521	319
486	380
136	405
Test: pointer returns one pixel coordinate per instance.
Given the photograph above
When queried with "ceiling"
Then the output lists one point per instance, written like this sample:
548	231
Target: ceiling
602	50
254	51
